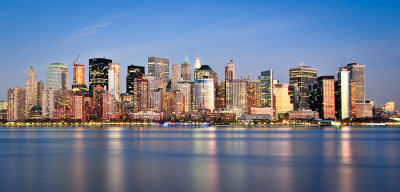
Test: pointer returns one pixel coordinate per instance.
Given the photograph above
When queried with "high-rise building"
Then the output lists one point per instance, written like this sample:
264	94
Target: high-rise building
175	76
158	67
253	94
133	73
236	94
205	72
100	102
266	83
79	78
141	99
357	74
30	91
48	103
186	73
185	87
57	76
230	71
220	96
78	110
282	98
176	102
16	104
300	79
343	89
98	72
113	80
196	67
156	99
323	97
204	94
40	88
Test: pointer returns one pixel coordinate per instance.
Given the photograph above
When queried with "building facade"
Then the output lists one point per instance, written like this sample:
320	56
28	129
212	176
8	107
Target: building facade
267	89
98	72
300	80
31	91
133	73
16	104
158	67
113	81
204	94
57	76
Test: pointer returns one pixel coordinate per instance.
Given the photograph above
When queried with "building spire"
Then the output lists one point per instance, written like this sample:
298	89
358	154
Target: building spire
197	65
31	68
186	60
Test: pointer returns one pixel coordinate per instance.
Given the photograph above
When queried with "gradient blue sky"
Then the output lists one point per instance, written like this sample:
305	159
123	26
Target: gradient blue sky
257	35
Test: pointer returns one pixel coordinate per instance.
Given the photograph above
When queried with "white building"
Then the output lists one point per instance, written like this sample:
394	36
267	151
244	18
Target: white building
204	94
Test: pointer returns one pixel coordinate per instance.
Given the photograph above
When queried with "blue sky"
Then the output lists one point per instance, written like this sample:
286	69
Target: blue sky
257	35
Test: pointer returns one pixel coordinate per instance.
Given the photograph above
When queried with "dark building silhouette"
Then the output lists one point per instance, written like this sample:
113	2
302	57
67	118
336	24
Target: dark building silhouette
133	73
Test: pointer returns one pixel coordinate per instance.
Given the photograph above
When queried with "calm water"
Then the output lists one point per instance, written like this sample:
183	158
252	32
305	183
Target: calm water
200	159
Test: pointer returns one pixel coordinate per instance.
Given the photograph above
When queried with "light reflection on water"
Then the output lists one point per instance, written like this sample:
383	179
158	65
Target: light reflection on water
200	159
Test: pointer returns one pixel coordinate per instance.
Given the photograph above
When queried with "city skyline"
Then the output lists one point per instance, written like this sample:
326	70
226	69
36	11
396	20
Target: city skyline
262	35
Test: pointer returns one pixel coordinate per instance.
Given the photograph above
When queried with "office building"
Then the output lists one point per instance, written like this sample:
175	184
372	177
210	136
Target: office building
323	97
300	79
48	103
141	99
204	94
158	67
230	71
98	72
40	88
57	76
133	72
196	67
342	90
253	94
16	104
79	78
236	94
267	90
185	87
113	81
186	70
282	98
30	91
175	76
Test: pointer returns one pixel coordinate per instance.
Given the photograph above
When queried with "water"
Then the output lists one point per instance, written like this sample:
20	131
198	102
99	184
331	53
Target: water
200	159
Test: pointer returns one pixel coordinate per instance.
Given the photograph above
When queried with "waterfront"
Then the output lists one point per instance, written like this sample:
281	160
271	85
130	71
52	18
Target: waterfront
200	159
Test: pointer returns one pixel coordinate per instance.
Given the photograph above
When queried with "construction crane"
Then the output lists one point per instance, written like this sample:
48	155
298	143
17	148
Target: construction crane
74	62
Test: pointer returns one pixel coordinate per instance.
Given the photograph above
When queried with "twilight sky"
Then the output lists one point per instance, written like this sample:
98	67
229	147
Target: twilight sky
257	35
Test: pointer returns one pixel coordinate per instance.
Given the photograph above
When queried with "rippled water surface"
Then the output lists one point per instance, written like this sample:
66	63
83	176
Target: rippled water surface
200	159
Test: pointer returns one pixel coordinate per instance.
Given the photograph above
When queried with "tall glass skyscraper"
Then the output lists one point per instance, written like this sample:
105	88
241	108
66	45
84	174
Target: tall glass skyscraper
31	91
158	67
133	73
300	79
98	72
113	80
57	76
204	94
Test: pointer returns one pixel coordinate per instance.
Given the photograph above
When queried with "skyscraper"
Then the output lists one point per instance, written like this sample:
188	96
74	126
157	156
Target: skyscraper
79	78
357	74
16	104
31	91
40	88
323	97
48	103
266	83
300	79
141	99
186	73
220	96
57	76
204	94
158	67
133	72
98	72
282	98
343	100
175	76
236	94
113	80
185	87
230	71
253	94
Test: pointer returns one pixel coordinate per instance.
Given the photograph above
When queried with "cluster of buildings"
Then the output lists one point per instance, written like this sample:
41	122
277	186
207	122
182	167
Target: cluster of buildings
189	93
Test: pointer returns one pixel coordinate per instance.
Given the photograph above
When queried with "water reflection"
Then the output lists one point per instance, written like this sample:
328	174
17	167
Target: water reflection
210	159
